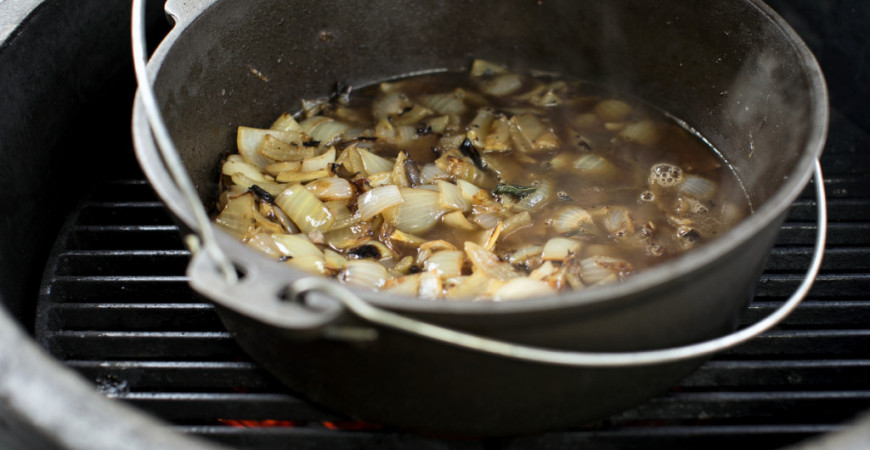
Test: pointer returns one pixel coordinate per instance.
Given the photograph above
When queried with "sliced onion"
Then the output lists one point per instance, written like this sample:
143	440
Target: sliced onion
399	174
614	126
444	103
458	220
407	285
380	179
645	132
478	129
412	116
531	135
313	107
498	138
520	288
286	122
324	129
618	221
305	209
394	133
365	273
296	246
283	166
486	220
319	162
418	213
430	287
586	121
263	212
525	253
331	188
462	168
502	84
546	96
373	163
275	149
268	186
593	165
489	237
446	263
472	286
281	217
451	197
545	270
560	248
264	243
697	187
439	124
295	176
431	173
237	217
542	194
391	104
612	110
404	264
378	199
484	68
342	215
333	260
406	238
348	237
352	115
516	222
236	164
488	263
574	219
425	250
595	269
249	140
473	194
310	263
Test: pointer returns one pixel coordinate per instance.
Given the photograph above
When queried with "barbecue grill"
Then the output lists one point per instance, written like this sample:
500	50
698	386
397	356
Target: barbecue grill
93	268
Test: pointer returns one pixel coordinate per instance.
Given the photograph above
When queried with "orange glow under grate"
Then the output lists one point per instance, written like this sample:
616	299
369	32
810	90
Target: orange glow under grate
345	425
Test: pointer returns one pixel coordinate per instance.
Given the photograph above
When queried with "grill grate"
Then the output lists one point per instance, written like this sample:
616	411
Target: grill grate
116	307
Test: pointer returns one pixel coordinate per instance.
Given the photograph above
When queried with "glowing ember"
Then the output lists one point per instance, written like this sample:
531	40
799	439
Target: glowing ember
341	425
268	423
351	425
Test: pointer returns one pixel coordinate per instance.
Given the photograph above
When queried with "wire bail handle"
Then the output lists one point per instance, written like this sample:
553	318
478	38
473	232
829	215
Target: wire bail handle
169	152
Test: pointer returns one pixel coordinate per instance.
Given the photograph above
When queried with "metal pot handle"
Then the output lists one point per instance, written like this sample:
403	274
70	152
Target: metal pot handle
392	320
167	148
303	318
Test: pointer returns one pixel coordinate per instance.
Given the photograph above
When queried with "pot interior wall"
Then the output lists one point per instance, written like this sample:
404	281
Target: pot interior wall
713	64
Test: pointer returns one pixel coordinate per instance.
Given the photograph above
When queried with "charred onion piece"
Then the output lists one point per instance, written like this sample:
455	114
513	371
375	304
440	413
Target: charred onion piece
467	148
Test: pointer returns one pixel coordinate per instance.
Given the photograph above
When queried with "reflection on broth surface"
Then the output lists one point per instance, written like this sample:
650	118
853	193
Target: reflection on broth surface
491	184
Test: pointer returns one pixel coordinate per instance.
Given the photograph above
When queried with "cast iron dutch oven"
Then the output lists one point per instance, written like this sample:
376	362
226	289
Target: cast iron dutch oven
733	70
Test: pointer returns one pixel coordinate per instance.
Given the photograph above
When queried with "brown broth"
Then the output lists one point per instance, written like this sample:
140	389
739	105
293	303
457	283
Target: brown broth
634	218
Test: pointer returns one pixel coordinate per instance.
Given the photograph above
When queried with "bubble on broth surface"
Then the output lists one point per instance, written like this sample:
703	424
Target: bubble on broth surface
665	174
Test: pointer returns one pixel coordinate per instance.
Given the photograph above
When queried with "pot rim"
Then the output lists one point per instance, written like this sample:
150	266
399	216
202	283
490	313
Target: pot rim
682	266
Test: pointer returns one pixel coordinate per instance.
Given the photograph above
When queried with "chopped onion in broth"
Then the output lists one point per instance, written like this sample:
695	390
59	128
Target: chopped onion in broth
488	185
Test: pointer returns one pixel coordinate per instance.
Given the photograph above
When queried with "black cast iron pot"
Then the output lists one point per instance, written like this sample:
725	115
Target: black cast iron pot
732	69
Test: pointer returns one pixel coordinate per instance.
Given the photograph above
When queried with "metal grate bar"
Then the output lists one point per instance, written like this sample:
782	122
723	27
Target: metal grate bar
195	407
180	376
190	345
